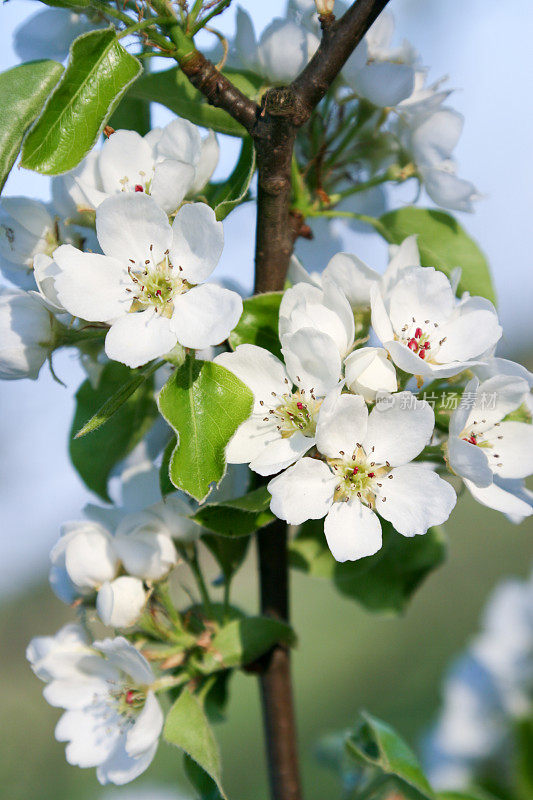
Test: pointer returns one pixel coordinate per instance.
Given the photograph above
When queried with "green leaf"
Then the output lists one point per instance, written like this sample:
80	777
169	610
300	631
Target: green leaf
228	194
205	404
229	553
23	91
165	484
203	784
443	244
173	89
242	641
374	743
523	772
131	115
98	73
112	405
239	517
71	4
186	727
259	323
383	582
95	456
470	794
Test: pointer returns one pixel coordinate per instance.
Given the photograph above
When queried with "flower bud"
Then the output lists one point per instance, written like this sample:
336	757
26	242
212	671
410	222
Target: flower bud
120	603
369	371
324	6
82	560
26	334
144	545
26	228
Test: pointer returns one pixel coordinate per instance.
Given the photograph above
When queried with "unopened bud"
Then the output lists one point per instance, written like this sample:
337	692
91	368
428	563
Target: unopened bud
324	6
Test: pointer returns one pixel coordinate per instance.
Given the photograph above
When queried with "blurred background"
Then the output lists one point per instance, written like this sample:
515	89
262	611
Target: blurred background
346	659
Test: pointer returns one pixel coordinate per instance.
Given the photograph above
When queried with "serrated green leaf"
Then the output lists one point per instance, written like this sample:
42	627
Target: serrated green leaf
23	91
228	194
259	323
173	89
95	456
228	552
443	244
205	404
376	744
239	517
99	71
186	727
242	641
383	582
112	405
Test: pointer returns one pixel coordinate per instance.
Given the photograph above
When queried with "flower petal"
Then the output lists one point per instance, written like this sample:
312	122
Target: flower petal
342	424
469	461
171	182
302	492
312	359
352	531
250	439
353	276
132	228
137	338
514	449
198	240
147	728
205	315
120	768
469	336
126	160
207	163
399	427
180	140
261	371
125	657
380	319
422	293
509	497
90	741
415	499
281	453
384	83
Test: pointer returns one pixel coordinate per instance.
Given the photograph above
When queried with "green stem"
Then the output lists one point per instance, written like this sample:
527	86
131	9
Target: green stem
196	570
145	23
110	11
214	13
333	214
388	175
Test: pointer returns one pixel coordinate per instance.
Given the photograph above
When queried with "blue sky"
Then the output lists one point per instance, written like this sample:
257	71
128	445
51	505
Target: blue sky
485	48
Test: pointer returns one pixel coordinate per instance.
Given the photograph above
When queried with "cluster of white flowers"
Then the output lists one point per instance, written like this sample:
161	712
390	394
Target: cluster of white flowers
487	692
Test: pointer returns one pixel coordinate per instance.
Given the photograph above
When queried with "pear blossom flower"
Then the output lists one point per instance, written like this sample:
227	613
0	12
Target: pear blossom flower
369	371
365	471
120	602
27	334
112	718
146	283
493	455
283	50
426	330
281	428
26	228
167	163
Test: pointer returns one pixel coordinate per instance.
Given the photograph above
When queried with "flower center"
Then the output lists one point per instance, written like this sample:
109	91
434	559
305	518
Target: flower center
487	439
142	183
422	338
128	701
156	286
294	412
358	477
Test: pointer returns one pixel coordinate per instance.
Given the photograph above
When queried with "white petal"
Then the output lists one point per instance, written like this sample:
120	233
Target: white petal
120	603
74	693
181	141
383	83
207	163
90	741
89	556
447	190
352	531
514	451
342	424
250	439
90	286
312	359
368	371
147	728
198	241
145	548
261	371
283	51
402	257
422	293
137	338
172	181
120	768
127	658
412	363
132	228
302	492
415	499
353	276
380	318
435	138
126	160
399	429
463	411
469	461
494	399
281	453
245	41
205	315
469	336
506	496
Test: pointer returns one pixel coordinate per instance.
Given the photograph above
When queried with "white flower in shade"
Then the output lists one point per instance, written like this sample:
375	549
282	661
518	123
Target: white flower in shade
324	310
113	719
281	428
426	330
168	164
491	454
369	371
27	334
378	72
120	603
365	472
49	33
82	560
283	50
26	228
146	283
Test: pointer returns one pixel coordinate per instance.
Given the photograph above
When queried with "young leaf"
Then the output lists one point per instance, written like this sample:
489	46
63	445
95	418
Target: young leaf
229	553
242	641
239	517
173	89
376	744
228	194
383	582
443	244
203	784
23	91
205	404
98	73
259	323
186	727
165	484
112	405
95	456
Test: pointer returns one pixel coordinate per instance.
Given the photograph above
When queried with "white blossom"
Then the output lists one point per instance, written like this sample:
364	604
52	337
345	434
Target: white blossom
120	602
27	334
426	330
82	559
146	283
365	472
26	228
168	164
112	718
369	371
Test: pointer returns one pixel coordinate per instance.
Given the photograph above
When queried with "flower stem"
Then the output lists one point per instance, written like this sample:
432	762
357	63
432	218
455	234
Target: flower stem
196	570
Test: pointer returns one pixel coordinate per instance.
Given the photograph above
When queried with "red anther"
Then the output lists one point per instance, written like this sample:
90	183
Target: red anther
130	696
300	406
426	345
355	470
138	187
158	292
371	474
413	345
422	354
472	439
418	333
